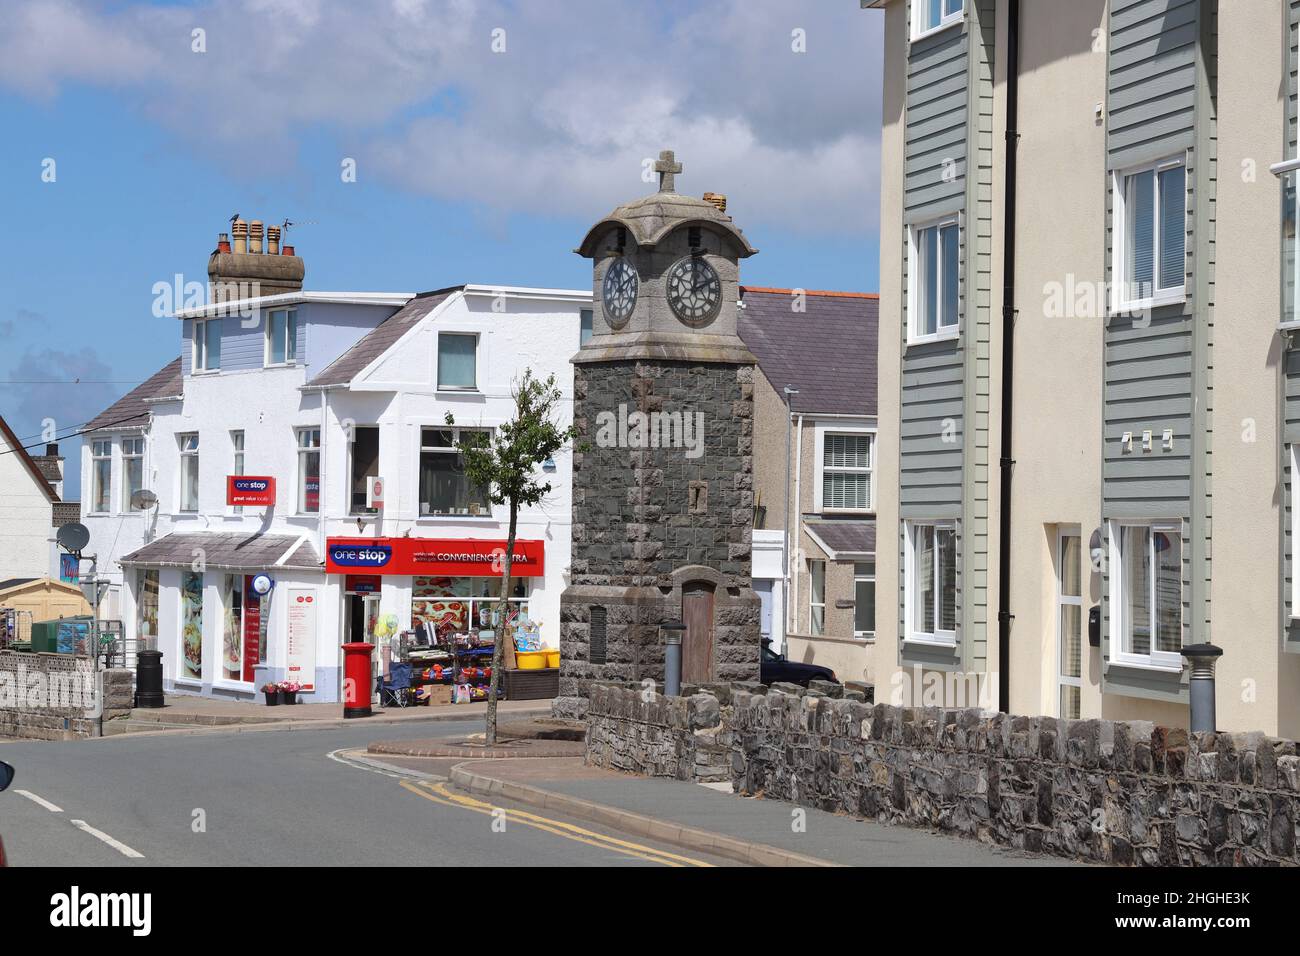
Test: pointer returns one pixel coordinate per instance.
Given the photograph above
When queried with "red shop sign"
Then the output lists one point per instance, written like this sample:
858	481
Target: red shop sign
362	583
444	557
250	490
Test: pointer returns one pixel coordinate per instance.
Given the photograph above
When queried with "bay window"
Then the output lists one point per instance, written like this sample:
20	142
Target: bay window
445	489
1149	255
932	281
930	582
864	600
1146	612
816	598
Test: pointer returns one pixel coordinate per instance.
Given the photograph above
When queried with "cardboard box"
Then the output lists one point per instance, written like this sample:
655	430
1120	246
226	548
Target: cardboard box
439	694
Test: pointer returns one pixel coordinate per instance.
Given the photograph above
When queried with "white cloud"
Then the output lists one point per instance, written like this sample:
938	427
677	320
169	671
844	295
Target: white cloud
556	125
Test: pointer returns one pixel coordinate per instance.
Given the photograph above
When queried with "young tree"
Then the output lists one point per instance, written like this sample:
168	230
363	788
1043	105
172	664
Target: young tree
507	466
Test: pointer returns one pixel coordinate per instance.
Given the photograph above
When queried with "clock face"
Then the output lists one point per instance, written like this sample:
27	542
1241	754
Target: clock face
694	291
618	292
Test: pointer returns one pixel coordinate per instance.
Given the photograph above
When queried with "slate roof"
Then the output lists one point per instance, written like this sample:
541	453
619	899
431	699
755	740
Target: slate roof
131	410
378	340
9	439
843	536
234	550
828	351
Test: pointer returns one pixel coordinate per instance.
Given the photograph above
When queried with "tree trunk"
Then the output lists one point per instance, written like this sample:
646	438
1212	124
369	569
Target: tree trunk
502	628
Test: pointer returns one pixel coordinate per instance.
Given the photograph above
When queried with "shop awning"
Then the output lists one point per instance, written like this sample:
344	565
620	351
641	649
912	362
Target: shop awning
843	540
233	551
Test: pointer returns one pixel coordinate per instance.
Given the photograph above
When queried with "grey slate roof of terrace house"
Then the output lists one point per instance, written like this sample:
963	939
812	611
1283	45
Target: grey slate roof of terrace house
233	550
378	340
843	536
132	409
827	351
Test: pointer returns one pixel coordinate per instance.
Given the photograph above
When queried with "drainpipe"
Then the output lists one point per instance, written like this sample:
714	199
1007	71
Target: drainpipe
1006	463
785	536
322	498
793	611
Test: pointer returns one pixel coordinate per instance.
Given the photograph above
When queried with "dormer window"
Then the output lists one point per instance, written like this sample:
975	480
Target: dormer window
207	345
282	337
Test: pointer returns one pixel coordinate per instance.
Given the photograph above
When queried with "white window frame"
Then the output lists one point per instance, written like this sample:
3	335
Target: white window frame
942	332
859	578
290	322
199	360
1171	661
300	486
1288	171
919	27
101	450
136	445
821	432
1121	301
355	510
912	633
1063	601
478	361
815	629
439	450
185	454
238	447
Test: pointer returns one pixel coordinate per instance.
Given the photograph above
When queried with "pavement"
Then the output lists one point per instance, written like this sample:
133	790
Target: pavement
181	713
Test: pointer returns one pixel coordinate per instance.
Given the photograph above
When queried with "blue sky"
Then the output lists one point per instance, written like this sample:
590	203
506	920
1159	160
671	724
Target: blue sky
487	137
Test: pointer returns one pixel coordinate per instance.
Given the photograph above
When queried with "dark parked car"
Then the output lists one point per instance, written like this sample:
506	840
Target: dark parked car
6	778
774	667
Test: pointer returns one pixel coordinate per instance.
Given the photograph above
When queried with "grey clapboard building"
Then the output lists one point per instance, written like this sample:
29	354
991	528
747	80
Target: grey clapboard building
1072	196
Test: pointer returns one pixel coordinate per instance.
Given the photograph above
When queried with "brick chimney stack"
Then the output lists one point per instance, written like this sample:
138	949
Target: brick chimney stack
240	269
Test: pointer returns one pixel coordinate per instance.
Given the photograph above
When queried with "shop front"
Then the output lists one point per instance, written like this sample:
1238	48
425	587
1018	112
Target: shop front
433	604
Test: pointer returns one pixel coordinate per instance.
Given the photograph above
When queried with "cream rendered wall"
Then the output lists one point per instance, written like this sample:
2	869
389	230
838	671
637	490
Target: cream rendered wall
770	427
26	520
1060	257
888	578
1258	683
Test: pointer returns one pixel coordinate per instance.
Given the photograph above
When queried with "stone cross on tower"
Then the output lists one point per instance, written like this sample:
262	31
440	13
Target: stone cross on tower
667	168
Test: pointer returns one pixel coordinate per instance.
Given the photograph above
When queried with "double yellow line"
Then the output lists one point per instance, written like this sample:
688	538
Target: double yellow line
438	793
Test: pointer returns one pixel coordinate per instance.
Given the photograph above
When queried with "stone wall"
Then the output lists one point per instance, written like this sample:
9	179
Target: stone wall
1129	793
656	736
50	696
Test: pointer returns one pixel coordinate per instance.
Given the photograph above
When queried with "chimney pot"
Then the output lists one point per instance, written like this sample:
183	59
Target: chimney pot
287	250
717	199
240	233
223	242
52	450
255	237
272	240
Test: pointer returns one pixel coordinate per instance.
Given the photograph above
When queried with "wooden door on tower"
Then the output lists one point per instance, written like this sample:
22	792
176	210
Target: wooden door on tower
697	642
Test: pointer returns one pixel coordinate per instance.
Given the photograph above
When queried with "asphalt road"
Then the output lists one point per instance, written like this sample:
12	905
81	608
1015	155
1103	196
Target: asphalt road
277	798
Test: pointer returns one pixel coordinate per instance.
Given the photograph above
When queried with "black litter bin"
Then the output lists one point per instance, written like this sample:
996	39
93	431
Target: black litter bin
148	679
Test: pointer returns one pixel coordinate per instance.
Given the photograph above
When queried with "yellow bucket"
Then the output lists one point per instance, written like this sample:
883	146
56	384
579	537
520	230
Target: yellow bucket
552	658
531	660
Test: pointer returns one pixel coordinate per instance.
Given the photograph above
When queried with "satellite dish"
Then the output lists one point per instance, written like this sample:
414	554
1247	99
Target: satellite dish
73	537
143	499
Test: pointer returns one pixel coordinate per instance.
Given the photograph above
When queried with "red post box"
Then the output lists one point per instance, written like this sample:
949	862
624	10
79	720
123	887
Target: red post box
356	679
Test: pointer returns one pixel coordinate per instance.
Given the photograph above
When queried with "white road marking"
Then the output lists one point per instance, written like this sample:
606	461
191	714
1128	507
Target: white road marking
101	835
39	800
350	757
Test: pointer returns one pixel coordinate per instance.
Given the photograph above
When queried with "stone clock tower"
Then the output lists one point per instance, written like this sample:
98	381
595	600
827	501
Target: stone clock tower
663	493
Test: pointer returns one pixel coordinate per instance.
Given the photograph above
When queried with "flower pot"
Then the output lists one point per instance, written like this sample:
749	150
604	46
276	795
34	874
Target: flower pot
289	697
272	698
